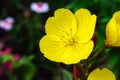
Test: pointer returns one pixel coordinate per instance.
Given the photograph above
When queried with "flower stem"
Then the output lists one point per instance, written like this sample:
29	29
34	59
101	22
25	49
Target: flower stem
98	52
76	73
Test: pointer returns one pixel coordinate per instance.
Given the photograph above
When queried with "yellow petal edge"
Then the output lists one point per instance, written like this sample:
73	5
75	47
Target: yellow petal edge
104	74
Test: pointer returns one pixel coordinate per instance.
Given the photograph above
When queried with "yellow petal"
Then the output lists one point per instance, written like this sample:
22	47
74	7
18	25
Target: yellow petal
117	43
86	24
85	49
116	16
111	32
50	46
64	23
94	75
75	54
104	74
52	49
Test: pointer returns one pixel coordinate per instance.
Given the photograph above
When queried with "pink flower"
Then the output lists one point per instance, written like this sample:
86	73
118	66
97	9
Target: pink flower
1	52
8	65
16	57
7	23
39	7
8	50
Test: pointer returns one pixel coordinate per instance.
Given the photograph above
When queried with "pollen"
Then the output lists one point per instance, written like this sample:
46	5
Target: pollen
70	41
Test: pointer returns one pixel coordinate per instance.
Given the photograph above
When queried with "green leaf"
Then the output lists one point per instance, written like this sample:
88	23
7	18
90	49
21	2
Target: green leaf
63	75
6	58
67	75
25	67
30	71
113	60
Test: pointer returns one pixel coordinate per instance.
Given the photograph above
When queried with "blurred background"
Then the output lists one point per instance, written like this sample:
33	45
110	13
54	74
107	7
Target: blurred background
22	25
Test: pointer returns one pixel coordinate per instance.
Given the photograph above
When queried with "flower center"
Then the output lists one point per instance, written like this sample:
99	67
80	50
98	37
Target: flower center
6	23
40	5
70	41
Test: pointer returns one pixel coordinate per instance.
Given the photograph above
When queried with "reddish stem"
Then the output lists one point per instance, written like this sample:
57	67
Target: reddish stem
76	72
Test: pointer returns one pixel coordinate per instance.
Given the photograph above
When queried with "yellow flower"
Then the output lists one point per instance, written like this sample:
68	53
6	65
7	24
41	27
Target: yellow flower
68	36
113	31
104	74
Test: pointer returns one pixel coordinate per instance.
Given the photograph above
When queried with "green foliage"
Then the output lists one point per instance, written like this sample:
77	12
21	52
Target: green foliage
23	67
